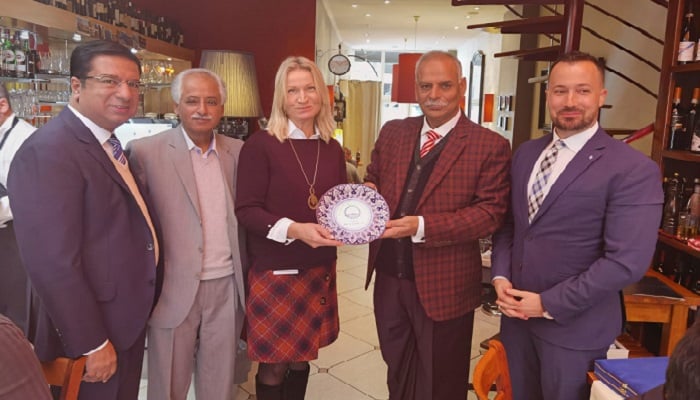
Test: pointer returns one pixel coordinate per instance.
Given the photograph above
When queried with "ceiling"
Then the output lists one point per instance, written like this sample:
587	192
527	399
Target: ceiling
390	24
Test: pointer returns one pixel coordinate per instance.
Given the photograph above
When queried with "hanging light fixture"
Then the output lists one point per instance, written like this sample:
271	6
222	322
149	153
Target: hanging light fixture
403	78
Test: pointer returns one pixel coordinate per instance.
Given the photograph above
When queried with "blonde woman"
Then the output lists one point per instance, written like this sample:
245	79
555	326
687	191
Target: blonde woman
292	307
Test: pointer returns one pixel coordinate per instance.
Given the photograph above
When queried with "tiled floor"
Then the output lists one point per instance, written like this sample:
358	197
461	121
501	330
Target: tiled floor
352	368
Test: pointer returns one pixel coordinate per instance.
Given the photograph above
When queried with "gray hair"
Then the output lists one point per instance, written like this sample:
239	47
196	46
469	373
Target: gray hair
438	53
176	86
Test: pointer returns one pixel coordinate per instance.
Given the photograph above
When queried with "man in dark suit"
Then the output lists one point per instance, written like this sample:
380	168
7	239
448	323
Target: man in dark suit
582	226
446	182
83	229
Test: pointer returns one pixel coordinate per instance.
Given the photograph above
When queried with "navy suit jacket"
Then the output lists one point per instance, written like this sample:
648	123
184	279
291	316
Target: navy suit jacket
594	234
84	241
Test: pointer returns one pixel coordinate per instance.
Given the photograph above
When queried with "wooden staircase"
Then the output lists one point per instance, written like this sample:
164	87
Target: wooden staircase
567	25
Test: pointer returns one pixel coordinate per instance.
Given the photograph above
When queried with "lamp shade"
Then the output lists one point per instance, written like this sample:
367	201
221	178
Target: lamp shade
403	82
237	70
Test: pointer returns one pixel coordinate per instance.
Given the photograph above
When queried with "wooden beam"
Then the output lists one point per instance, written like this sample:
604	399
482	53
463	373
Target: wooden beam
538	54
548	24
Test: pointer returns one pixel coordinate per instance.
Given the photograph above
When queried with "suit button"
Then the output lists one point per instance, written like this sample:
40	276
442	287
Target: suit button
399	275
327	277
417	167
149	246
201	250
323	301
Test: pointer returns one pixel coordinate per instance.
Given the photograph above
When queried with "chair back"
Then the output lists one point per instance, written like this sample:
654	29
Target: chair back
493	368
66	373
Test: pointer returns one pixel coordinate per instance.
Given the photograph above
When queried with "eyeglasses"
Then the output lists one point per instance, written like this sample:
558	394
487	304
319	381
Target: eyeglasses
111	82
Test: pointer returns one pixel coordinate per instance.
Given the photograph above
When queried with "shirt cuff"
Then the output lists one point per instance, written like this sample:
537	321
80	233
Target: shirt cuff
498	277
102	346
419	237
547	315
278	232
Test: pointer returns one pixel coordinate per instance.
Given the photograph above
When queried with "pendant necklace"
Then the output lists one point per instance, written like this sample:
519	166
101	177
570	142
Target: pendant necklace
312	201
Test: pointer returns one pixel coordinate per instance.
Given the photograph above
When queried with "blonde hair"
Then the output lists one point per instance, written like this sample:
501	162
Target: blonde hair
279	121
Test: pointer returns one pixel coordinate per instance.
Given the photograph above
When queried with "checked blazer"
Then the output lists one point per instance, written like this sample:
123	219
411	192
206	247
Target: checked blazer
465	199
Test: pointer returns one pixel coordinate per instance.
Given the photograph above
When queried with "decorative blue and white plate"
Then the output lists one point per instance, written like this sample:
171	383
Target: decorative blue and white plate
354	214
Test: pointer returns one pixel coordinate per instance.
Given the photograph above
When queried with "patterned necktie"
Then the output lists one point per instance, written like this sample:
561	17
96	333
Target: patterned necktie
117	151
430	143
536	197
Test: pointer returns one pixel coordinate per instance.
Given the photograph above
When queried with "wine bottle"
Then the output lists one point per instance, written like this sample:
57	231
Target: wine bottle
671	209
686	47
677	122
693	111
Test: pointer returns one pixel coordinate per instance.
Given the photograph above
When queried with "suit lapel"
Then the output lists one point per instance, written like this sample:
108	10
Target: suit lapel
588	155
180	157
451	152
404	154
227	162
93	147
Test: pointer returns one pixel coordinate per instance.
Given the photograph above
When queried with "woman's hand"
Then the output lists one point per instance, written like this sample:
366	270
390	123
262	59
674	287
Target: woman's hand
312	234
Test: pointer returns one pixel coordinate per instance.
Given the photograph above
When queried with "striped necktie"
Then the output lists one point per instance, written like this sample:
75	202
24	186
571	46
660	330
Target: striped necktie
536	197
430	143
117	150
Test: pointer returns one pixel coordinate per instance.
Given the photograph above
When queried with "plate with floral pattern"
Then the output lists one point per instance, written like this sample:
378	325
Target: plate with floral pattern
354	214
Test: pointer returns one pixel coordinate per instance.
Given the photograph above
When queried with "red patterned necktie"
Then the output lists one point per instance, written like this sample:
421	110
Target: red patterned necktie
430	143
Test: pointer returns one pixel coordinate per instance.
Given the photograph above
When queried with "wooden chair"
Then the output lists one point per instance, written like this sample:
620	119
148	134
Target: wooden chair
493	368
66	373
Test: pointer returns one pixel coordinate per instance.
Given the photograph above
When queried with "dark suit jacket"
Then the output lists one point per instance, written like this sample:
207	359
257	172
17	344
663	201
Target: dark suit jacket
594	234
465	199
84	241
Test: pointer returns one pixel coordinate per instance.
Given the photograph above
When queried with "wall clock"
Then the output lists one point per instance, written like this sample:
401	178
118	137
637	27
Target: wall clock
339	64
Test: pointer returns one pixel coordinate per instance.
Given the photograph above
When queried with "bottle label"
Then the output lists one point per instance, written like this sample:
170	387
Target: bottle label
697	56
20	56
9	56
685	51
695	145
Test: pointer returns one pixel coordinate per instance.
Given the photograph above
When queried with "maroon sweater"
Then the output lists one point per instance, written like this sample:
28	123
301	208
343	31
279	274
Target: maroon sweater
271	186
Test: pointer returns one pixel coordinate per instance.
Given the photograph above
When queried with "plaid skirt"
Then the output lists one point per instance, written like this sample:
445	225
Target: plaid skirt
290	317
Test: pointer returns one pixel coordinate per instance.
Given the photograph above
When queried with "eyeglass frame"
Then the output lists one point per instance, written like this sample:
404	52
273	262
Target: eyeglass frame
115	83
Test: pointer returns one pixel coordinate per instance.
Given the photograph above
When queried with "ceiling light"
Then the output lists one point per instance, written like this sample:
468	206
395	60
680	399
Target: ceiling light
387	1
354	6
476	8
368	15
367	41
456	27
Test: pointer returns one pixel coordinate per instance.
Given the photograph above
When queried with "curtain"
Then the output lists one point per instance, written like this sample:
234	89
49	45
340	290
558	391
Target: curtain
362	119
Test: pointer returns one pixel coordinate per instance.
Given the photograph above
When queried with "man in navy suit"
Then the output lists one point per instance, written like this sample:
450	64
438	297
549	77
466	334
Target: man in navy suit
582	226
84	233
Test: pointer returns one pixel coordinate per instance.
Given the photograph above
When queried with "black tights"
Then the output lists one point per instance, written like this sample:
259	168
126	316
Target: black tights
273	374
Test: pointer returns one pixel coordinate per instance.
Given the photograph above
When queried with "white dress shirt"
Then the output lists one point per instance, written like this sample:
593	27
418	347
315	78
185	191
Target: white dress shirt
19	134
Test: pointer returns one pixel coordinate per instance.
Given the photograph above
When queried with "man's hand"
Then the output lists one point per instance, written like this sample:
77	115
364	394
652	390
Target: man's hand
101	365
371	185
530	304
402	227
312	234
507	303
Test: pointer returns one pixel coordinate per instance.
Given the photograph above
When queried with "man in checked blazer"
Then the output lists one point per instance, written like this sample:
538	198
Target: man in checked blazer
189	173
427	262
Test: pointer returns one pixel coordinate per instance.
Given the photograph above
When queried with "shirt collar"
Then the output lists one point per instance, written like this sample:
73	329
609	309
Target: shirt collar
295	133
443	129
7	124
577	141
101	134
190	144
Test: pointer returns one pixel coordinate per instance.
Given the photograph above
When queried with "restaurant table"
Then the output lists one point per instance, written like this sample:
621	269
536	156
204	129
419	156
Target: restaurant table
671	313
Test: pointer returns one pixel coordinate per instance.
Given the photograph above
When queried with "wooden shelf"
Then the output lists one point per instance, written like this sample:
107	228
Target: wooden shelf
692	67
677	244
681	155
51	17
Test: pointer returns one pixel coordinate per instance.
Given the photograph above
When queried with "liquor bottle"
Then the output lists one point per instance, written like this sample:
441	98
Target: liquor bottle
671	208
695	140
8	52
686	47
694	200
677	122
693	111
20	47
